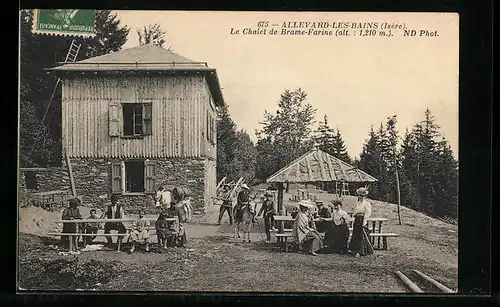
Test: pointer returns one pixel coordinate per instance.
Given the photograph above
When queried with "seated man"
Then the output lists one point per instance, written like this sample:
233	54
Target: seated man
140	231
91	227
114	211
323	212
162	230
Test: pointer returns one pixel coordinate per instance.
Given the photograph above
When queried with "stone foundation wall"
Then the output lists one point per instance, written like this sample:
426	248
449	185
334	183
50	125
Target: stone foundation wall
93	181
92	178
53	179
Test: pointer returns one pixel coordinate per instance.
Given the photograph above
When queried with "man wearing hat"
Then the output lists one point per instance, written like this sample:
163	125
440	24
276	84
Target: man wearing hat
114	211
323	212
70	213
227	204
243	200
269	211
360	243
305	236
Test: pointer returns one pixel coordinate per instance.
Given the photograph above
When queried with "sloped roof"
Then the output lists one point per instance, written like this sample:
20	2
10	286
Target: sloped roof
150	58
319	166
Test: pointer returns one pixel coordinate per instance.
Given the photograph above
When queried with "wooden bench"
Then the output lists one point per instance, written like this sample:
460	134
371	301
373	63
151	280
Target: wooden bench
282	238
77	235
384	237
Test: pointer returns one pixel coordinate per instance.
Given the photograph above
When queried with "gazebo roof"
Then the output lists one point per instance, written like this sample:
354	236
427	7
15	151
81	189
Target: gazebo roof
319	166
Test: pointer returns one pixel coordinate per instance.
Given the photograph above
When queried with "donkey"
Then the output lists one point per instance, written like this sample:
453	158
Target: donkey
248	212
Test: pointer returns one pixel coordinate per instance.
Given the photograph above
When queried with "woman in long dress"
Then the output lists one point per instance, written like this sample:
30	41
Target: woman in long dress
304	235
337	235
360	243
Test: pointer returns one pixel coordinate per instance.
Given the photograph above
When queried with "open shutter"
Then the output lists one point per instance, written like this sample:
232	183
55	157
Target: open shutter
147	112
114	118
116	178
208	126
150	177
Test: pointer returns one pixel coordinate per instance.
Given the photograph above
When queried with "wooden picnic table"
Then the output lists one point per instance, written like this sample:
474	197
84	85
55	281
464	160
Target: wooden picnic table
78	221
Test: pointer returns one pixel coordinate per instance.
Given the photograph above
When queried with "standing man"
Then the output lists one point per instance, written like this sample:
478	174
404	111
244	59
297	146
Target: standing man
269	212
227	205
114	211
71	213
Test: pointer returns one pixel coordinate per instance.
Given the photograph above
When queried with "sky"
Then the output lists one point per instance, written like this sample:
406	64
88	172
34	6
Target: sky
356	81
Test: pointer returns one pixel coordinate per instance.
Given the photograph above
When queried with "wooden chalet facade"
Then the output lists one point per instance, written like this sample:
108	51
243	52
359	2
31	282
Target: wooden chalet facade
138	119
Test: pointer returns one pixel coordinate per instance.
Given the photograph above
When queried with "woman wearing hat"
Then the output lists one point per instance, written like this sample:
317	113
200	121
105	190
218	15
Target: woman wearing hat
304	235
360	243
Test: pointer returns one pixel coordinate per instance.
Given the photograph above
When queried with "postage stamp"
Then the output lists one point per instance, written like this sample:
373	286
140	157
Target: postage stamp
64	22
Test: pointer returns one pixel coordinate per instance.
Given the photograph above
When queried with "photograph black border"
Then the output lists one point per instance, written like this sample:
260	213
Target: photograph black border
475	159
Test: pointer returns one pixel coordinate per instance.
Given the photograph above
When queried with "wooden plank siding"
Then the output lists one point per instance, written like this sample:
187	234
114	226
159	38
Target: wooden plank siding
179	105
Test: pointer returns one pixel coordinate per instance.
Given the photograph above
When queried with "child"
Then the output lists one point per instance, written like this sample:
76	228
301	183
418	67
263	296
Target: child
162	230
91	227
140	231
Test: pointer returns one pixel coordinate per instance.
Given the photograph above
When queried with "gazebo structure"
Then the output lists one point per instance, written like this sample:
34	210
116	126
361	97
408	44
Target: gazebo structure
317	166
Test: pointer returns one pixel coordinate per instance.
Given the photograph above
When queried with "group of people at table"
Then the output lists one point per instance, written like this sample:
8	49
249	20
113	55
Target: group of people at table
307	232
168	232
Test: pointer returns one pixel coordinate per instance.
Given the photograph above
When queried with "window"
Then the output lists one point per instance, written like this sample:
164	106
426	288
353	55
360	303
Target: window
30	180
211	126
133	120
136	119
133	176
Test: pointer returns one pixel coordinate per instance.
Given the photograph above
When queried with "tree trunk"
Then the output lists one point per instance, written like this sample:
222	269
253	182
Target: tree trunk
399	197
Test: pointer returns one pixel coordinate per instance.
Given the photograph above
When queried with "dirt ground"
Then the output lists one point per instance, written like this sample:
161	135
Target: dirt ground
214	261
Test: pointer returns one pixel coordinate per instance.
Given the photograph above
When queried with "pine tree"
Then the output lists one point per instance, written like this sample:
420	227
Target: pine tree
38	52
226	138
286	135
152	33
325	137
339	148
370	161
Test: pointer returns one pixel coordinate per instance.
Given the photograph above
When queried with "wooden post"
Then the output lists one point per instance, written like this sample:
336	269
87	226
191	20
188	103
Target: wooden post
399	197
70	172
281	226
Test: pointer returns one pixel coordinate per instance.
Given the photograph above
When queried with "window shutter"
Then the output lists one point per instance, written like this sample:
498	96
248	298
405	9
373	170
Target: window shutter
208	126
150	177
114	118
146	118
116	178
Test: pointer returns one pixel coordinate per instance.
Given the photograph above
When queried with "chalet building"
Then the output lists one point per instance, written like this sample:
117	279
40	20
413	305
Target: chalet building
138	119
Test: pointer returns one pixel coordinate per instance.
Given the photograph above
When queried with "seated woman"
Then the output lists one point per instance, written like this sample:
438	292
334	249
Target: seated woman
140	231
360	242
304	235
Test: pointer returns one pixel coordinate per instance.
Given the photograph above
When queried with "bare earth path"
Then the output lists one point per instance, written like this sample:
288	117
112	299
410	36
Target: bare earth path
214	261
